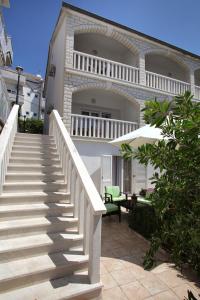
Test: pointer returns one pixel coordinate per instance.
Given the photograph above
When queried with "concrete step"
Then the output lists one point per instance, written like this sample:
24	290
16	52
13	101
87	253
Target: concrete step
24	227
15	167
37	161
34	142
32	135
37	148
35	210
34	154
18	176
33	245
76	286
19	273
34	197
14	187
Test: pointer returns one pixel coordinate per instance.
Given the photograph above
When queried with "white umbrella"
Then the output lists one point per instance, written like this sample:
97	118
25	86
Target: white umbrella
144	135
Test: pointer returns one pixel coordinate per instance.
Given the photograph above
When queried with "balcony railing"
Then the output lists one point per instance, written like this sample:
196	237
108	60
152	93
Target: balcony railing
197	92
165	83
115	70
104	67
100	128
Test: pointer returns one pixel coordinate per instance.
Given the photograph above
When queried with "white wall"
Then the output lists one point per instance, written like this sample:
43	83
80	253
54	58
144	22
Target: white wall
91	153
55	85
30	108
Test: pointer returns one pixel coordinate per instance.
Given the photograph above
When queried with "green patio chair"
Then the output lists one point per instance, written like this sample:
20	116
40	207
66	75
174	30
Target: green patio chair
111	208
114	194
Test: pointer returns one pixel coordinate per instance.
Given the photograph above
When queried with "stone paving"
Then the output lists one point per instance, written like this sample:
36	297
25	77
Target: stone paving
123	275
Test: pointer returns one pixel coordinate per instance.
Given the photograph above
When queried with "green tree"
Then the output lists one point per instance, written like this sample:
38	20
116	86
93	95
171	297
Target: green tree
176	197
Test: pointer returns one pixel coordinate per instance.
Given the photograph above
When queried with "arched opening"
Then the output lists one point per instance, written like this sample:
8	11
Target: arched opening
197	77
104	103
103	114
167	66
197	83
105	47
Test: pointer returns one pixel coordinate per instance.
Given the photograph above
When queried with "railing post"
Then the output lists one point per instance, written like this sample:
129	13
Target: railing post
107	130
108	70
94	248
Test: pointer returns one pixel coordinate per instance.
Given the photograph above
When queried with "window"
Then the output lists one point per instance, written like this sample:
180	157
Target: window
35	114
27	112
36	95
28	94
85	113
9	91
106	115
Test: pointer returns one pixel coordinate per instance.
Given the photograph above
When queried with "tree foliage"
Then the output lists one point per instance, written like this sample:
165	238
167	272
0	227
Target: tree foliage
176	197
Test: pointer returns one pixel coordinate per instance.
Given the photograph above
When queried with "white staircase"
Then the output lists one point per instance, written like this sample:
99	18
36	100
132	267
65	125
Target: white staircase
49	235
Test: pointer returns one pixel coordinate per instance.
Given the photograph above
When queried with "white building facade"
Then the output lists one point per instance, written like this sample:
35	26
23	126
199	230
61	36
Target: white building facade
99	74
30	92
6	58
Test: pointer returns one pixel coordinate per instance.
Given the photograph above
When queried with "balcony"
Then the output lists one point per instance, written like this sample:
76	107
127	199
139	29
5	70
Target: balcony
104	67
99	128
118	71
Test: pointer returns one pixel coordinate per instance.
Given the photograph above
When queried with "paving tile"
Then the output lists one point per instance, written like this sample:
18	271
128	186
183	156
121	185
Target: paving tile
137	270
163	267
113	294
167	295
153	284
123	276
135	290
172	278
108	281
103	270
113	264
181	291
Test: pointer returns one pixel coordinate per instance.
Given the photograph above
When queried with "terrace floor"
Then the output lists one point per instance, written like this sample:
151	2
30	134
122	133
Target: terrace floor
123	275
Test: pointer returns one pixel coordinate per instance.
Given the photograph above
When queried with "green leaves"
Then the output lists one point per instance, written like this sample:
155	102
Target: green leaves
176	198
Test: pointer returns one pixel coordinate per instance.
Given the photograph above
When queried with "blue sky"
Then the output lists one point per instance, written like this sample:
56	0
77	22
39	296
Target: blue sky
31	23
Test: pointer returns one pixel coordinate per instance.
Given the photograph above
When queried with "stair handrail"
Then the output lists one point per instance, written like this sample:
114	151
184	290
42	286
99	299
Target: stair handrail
6	142
88	205
93	195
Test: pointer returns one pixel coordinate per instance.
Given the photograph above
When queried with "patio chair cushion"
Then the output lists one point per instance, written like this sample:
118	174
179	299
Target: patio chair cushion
119	198
111	208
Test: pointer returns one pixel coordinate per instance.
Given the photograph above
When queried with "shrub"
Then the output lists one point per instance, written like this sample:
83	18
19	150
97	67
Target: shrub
31	126
176	197
143	220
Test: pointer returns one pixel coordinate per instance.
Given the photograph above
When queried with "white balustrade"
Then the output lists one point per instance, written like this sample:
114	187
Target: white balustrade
6	142
104	67
99	128
166	84
197	92
88	205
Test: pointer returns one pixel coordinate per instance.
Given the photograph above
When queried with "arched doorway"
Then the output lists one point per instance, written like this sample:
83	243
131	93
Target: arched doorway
166	72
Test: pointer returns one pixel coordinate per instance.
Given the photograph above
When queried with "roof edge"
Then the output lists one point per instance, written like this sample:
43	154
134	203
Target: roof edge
93	15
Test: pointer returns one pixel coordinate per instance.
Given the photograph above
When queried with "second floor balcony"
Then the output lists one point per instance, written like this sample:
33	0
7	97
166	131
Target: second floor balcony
123	72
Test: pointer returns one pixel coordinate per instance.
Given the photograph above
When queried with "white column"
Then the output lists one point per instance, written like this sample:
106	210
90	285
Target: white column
94	248
67	106
69	44
192	82
142	74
